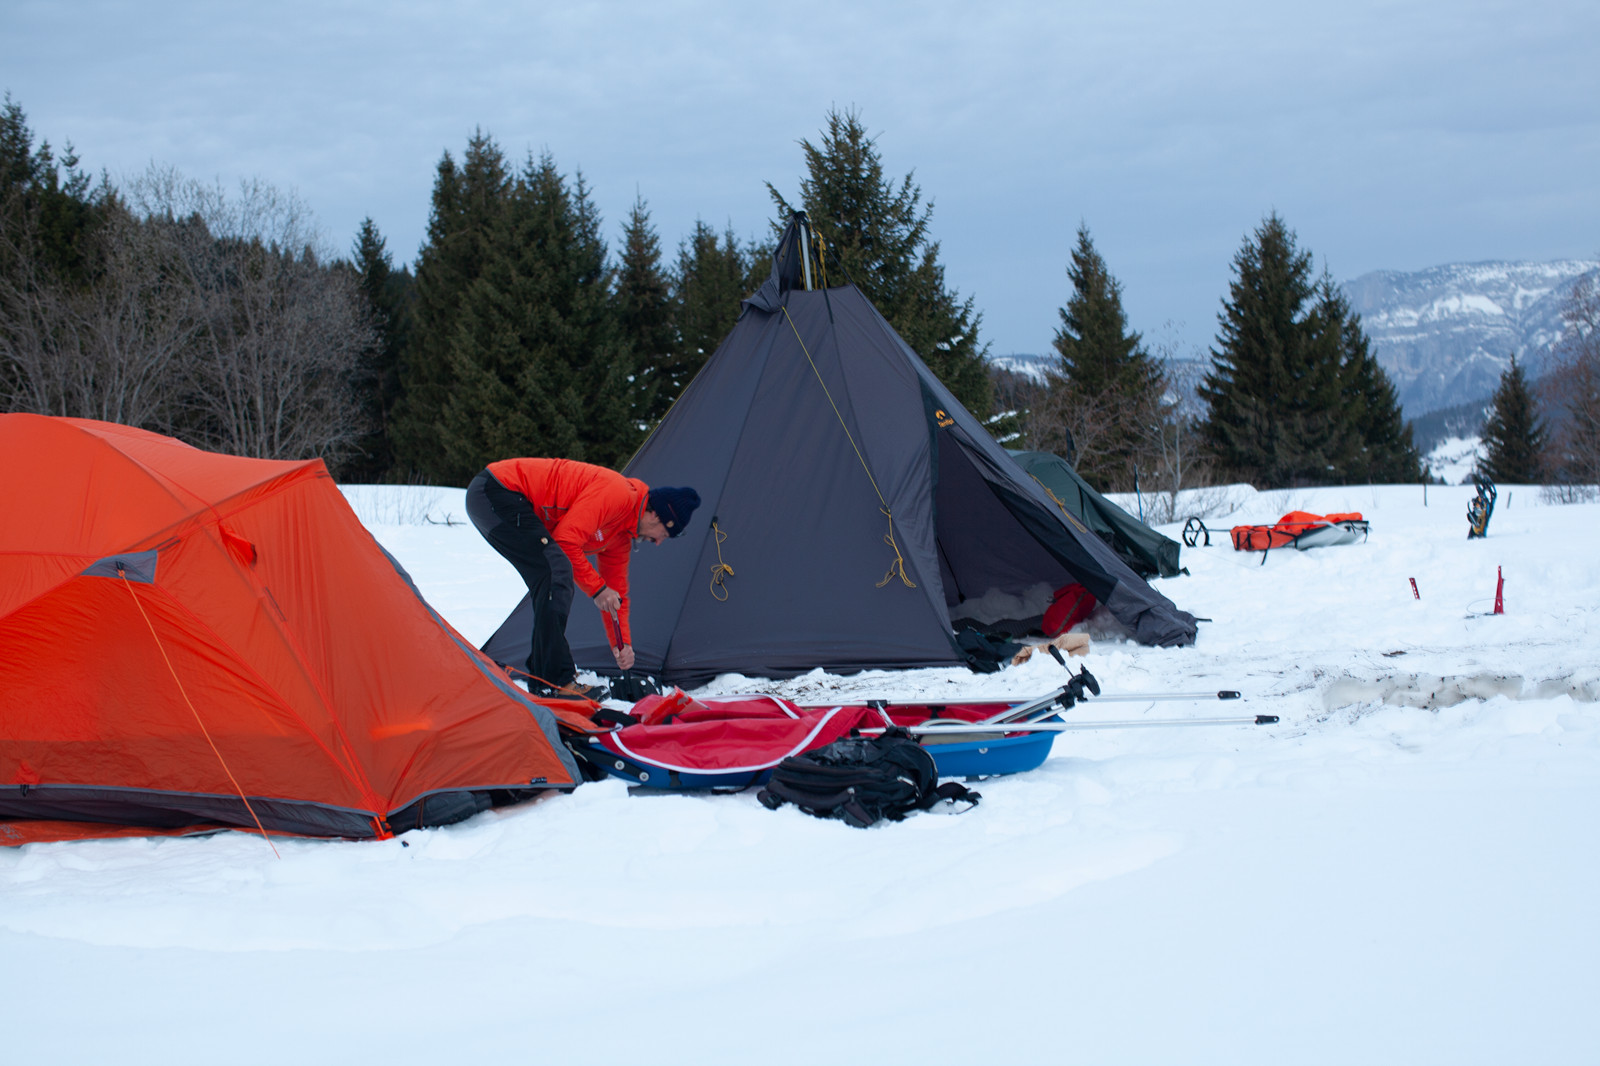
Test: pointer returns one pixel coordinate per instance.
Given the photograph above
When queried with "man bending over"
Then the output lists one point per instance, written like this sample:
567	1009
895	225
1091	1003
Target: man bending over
546	517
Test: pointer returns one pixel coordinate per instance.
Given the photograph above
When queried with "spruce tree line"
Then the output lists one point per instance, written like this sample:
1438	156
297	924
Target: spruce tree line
1294	395
528	338
520	334
217	319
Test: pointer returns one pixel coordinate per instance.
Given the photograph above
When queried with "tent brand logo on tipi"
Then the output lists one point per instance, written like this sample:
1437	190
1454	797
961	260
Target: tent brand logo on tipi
943	419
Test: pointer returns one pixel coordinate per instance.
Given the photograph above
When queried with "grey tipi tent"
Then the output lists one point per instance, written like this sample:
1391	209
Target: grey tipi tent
848	503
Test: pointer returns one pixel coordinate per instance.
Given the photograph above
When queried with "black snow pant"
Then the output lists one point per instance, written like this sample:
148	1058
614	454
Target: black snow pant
509	523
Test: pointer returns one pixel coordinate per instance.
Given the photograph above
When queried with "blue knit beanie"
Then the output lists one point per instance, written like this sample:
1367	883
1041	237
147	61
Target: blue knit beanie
673	506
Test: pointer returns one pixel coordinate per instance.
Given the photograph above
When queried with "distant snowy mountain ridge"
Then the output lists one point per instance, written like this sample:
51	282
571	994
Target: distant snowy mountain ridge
1026	364
1445	334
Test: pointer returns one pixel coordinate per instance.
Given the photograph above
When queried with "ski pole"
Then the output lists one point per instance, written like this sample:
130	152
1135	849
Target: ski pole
1063	698
1068	727
1018	709
1045	701
1135	697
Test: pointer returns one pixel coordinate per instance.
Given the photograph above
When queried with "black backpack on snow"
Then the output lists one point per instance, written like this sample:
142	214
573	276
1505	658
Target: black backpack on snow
861	780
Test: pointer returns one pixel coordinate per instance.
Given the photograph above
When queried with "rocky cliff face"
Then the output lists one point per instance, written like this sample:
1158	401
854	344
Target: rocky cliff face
1445	334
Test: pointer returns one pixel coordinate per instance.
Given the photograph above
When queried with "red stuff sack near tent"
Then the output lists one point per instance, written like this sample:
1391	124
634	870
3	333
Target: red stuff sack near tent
1071	605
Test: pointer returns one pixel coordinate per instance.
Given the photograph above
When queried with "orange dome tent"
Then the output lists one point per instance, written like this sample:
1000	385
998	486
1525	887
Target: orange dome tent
188	637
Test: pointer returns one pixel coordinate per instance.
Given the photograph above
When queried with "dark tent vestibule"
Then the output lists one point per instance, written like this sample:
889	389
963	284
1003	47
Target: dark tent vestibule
1141	547
849	503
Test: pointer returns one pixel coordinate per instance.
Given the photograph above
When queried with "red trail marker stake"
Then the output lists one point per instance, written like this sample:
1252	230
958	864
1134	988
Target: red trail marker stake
1499	591
1414	593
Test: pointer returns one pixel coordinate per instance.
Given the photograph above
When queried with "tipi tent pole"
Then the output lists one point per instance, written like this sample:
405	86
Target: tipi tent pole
805	254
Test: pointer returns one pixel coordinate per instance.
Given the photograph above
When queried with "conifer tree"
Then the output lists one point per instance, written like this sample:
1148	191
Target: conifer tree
53	247
1273	393
386	293
1106	387
1378	444
469	202
644	314
877	235
48	211
538	362
1513	436
711	276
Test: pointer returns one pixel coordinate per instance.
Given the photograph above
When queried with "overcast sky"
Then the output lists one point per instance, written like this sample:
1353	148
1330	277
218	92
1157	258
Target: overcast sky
1393	135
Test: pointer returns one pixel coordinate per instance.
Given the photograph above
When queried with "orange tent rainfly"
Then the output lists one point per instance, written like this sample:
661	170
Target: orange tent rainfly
191	638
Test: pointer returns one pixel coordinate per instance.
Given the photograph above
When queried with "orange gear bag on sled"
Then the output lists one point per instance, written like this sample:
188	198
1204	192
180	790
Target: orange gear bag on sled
1301	530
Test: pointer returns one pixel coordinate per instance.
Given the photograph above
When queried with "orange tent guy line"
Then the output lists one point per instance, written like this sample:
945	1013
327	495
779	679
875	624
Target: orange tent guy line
342	761
198	720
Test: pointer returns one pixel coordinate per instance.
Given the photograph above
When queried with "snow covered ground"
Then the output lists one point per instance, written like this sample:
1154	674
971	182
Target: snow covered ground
1404	870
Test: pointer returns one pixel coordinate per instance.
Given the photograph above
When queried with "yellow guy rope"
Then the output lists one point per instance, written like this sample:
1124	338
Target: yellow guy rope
722	571
1064	511
203	730
898	567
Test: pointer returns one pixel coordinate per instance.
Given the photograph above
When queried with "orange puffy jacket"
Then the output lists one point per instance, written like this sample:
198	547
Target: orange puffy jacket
591	511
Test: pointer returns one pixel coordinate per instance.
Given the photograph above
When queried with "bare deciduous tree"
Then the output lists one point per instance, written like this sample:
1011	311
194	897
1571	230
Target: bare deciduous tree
1574	392
1174	451
109	350
210	317
281	333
